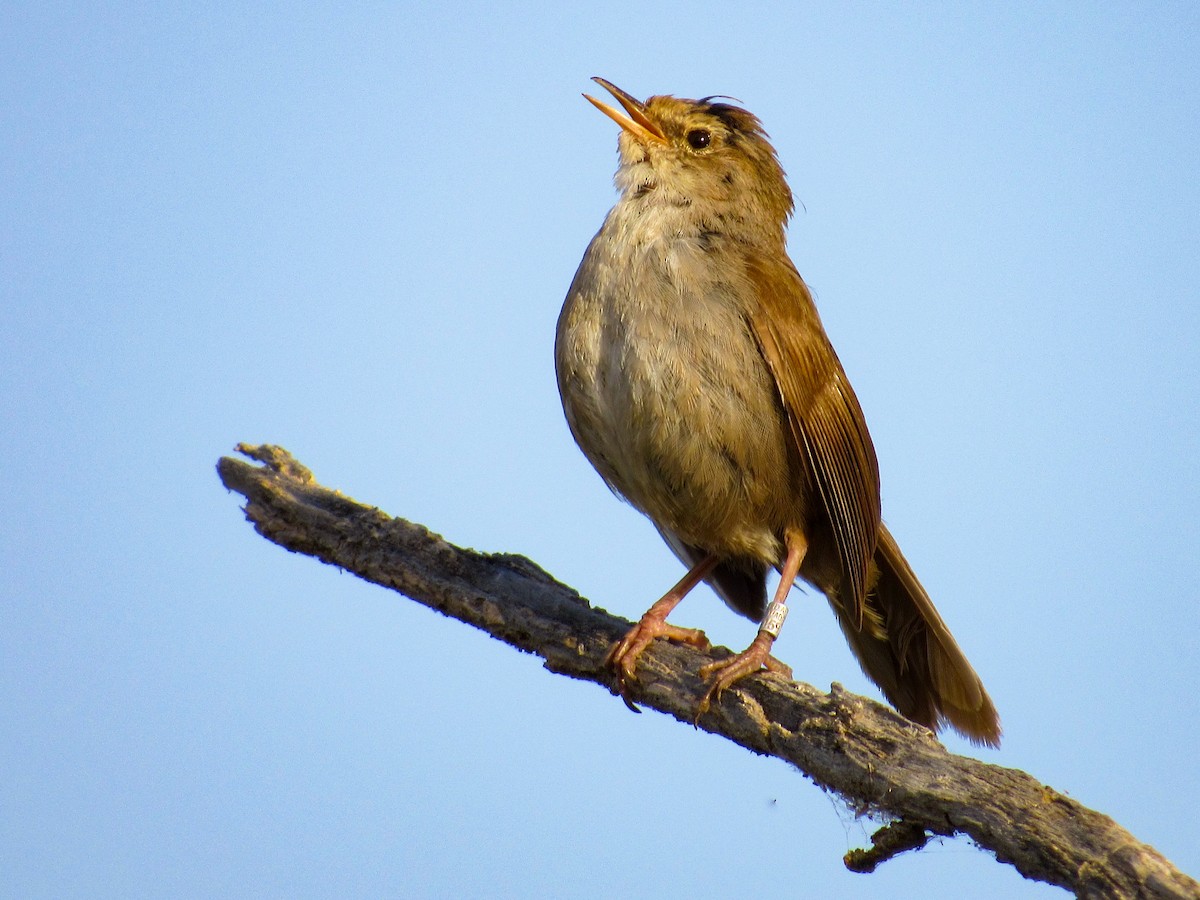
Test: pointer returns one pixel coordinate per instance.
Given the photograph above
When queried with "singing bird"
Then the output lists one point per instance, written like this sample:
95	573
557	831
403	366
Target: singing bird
698	380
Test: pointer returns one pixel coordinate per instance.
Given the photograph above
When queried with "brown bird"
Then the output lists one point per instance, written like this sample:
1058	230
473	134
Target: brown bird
696	377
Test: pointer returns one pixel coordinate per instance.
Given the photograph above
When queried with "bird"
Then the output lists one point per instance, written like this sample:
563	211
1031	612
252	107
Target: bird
697	379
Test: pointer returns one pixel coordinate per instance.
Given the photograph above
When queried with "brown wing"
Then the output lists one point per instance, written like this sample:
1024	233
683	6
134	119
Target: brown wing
825	417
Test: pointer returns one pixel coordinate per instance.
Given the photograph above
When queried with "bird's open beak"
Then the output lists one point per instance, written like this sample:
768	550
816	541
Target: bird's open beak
638	123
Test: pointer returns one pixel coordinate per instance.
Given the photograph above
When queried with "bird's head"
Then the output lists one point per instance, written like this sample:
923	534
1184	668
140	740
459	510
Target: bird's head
701	153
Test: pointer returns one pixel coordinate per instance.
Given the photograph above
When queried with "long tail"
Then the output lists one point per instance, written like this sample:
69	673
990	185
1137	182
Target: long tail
906	648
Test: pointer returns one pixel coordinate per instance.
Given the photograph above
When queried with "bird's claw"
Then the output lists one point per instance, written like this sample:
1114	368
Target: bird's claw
623	656
622	676
750	661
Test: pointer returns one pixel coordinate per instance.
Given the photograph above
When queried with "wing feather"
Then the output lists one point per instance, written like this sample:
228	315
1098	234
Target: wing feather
826	419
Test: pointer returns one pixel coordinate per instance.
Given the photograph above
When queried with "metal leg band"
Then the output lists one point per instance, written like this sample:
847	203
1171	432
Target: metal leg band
773	620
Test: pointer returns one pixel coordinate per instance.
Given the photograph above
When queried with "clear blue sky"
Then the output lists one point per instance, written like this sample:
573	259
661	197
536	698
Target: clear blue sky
349	231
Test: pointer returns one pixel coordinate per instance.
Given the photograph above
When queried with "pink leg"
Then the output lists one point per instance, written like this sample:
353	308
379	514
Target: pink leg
758	656
624	655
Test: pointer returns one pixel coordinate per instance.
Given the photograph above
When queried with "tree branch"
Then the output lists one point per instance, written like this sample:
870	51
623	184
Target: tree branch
875	759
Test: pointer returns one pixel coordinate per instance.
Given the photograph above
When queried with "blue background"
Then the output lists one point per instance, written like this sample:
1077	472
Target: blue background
349	229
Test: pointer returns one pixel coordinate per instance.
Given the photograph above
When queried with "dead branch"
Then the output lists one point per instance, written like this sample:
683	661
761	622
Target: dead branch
863	751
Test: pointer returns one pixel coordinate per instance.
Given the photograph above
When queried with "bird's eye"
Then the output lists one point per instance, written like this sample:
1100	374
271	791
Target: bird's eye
699	138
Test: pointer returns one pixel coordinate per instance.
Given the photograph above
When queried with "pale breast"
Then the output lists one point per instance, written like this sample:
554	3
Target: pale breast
668	396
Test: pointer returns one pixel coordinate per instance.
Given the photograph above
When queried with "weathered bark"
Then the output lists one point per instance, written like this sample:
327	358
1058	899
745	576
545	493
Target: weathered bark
875	759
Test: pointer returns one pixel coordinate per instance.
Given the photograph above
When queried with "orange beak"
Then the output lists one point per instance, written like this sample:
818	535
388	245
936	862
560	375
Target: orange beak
640	125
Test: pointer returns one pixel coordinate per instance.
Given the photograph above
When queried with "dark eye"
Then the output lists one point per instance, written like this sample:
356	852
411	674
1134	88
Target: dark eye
699	138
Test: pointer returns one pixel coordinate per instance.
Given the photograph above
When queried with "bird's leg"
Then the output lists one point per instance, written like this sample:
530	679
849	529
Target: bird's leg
758	656
624	655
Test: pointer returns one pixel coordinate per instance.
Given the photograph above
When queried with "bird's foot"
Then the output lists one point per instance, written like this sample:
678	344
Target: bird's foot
753	659
623	657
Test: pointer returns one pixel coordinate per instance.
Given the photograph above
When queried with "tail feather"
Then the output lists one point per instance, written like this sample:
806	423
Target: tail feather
913	657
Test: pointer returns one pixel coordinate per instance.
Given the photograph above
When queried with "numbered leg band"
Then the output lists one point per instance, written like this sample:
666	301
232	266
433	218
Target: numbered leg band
773	620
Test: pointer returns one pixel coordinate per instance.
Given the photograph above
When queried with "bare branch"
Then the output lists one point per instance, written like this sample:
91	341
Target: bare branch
875	759
889	841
